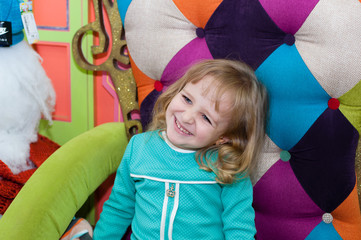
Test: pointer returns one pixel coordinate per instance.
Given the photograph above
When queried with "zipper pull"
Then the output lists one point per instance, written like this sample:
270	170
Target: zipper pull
170	191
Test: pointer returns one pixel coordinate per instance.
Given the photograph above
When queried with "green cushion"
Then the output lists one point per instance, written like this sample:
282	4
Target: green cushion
51	197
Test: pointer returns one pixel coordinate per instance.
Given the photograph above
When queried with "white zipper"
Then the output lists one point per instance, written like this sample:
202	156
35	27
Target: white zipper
174	211
164	212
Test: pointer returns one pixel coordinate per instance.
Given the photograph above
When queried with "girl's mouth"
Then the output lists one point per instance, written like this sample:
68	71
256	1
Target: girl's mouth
181	128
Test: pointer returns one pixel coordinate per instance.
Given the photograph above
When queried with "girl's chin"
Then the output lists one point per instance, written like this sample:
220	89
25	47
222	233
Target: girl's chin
175	140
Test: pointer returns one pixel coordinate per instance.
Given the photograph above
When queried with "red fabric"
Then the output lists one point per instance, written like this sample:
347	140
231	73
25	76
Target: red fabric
158	86
333	103
11	184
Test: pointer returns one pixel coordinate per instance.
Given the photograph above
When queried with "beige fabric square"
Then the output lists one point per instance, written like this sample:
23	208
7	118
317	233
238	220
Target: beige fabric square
270	155
330	50
155	31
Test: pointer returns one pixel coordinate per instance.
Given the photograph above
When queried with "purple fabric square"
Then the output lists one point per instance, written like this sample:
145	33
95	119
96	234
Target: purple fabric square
243	30
188	55
282	206
324	160
281	11
146	108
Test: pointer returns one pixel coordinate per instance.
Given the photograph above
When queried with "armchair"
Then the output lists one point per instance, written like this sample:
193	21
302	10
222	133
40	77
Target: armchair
308	55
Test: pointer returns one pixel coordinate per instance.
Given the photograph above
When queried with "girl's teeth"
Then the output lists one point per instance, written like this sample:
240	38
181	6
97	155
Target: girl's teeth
182	129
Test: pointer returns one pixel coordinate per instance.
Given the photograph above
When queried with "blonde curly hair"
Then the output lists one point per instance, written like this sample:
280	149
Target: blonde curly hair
237	157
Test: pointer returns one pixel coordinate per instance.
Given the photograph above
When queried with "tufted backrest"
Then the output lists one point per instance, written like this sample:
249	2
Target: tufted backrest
308	55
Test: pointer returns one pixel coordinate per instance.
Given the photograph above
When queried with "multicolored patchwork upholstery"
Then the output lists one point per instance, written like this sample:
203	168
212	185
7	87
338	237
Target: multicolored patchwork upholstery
308	54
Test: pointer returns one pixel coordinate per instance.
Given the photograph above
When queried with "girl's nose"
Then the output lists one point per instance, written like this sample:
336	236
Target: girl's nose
188	116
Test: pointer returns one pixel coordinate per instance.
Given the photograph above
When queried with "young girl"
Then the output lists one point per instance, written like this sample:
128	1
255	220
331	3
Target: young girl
187	177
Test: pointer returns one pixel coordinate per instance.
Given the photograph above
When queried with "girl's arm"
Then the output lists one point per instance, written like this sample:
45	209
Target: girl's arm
118	210
238	214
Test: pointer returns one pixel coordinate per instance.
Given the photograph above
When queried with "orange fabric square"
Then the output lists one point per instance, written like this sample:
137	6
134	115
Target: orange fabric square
346	218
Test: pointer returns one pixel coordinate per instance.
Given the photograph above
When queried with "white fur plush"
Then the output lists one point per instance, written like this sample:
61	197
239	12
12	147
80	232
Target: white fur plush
26	95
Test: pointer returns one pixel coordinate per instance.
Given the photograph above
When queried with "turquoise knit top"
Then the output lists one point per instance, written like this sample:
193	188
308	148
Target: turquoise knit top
163	194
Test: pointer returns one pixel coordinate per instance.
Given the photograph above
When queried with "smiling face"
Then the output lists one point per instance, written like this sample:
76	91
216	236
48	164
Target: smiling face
191	117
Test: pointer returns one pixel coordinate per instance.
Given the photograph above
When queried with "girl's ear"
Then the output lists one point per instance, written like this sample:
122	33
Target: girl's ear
222	140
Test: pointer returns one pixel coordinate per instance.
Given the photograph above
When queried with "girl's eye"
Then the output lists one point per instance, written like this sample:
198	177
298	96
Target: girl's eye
207	119
187	99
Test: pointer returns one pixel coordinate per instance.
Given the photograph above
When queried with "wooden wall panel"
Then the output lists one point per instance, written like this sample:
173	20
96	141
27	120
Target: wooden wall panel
52	14
56	62
57	23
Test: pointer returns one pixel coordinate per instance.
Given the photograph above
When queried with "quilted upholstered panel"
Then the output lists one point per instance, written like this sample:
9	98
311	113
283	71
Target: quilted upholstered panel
308	55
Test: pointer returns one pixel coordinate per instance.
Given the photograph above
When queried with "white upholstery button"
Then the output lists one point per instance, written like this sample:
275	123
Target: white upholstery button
327	218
